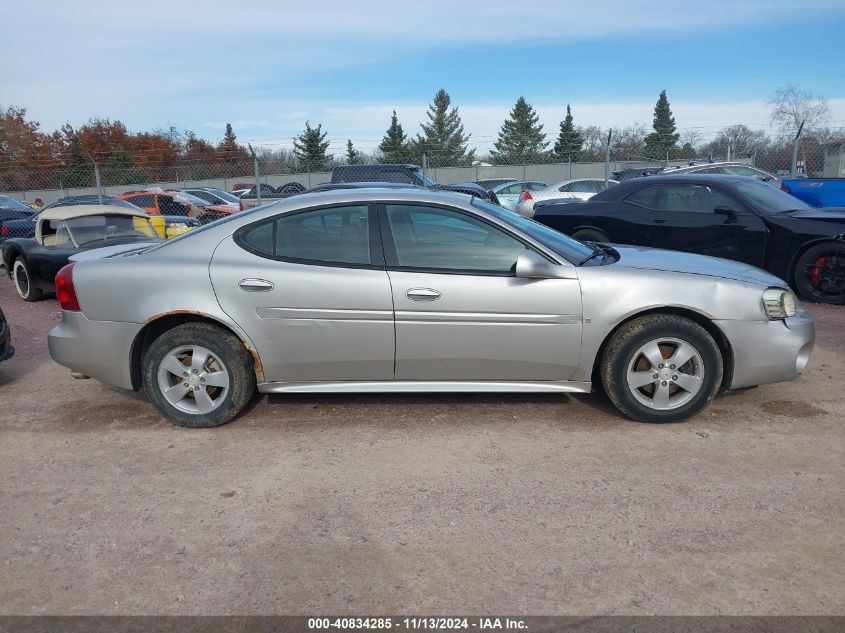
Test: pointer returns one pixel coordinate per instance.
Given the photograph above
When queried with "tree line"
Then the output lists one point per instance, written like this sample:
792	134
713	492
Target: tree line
31	158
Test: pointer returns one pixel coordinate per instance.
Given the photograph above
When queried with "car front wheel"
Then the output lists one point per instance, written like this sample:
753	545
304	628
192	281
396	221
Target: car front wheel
23	282
199	375
661	368
820	273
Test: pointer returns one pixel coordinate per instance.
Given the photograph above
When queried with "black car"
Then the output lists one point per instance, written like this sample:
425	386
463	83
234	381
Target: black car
61	233
12	210
6	349
733	217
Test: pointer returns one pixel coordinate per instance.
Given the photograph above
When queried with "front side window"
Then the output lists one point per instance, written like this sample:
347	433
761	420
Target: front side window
204	195
682	198
143	201
443	239
584	186
167	205
339	235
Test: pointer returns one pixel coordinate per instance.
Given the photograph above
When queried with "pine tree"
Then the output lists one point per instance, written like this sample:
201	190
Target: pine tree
521	139
394	145
79	172
352	155
228	147
443	139
569	141
662	142
310	148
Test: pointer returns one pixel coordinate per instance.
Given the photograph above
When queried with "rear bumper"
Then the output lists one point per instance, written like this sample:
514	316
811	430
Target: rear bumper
6	351
769	351
99	349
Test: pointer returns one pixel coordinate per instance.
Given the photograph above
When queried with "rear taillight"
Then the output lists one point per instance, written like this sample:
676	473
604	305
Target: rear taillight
240	205
4	230
65	292
526	195
785	188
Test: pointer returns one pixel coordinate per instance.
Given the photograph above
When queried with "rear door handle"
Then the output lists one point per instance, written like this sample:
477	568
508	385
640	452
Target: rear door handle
255	285
422	294
660	221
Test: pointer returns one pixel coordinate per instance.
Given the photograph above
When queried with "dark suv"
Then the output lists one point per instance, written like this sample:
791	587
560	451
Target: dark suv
381	172
404	173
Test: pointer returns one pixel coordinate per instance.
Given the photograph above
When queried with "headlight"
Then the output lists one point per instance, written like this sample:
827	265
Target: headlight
779	304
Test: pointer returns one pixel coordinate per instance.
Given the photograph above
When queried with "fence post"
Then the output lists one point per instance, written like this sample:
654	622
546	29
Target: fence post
257	174
96	178
425	169
794	167
607	158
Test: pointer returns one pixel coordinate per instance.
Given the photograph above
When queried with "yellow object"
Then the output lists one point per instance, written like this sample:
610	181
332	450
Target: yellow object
158	224
175	230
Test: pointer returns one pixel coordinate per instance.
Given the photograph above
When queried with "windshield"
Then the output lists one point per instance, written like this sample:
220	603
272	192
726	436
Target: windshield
571	250
181	196
768	199
95	228
428	182
228	197
7	202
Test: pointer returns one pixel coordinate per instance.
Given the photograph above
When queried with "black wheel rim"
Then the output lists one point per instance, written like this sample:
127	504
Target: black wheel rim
824	276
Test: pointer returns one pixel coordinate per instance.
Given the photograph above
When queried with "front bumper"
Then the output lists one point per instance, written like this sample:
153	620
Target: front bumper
99	349
769	351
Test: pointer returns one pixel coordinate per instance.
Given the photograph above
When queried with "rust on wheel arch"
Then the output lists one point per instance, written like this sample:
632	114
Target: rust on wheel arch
258	366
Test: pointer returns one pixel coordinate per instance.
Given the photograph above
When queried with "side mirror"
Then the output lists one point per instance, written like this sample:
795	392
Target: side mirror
531	265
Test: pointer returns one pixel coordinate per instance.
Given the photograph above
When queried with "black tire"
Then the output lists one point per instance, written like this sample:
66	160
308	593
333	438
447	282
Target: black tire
589	235
820	273
23	282
290	188
622	350
223	345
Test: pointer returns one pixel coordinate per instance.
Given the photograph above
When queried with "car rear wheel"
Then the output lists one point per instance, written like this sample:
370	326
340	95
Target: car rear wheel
23	282
661	368
589	235
820	273
199	375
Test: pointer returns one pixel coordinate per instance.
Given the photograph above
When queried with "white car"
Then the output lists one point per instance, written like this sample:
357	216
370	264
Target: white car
576	188
509	193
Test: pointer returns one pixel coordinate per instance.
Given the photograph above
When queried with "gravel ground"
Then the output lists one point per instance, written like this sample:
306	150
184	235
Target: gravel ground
418	504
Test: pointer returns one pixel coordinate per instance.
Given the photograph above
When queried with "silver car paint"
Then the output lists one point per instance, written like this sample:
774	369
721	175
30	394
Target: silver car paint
342	316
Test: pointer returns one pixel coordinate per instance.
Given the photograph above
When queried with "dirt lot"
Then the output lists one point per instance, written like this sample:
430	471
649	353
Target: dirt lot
418	504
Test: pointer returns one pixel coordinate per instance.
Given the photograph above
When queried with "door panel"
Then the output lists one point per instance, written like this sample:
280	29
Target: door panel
461	314
316	323
486	327
683	218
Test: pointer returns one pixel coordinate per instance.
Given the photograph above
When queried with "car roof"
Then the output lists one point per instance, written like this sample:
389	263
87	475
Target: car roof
672	178
368	194
83	210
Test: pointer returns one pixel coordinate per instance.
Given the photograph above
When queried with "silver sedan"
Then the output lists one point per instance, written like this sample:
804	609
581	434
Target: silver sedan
405	290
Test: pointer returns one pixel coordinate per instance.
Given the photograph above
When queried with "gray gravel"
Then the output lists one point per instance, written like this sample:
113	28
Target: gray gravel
418	504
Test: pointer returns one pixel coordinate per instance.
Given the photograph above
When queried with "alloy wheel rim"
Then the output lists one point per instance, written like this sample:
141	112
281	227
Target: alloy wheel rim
826	274
665	373
21	280
193	379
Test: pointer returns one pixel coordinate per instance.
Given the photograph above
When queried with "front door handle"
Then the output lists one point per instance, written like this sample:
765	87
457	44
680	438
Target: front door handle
422	294
255	285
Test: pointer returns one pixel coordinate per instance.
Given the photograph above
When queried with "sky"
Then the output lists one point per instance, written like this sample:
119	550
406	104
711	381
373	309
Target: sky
268	66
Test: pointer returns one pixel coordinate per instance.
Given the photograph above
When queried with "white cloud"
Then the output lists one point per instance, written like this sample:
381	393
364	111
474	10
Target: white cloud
191	62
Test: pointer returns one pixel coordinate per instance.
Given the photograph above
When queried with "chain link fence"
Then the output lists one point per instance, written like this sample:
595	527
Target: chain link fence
262	179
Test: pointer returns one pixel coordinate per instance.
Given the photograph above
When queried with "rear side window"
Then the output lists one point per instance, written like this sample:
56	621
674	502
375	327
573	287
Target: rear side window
682	198
145	201
339	235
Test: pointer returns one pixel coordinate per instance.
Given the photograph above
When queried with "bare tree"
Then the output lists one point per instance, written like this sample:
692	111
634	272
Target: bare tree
594	138
790	106
691	138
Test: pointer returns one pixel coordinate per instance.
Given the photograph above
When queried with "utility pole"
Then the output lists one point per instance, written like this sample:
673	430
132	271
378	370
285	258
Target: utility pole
257	175
607	158
794	167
